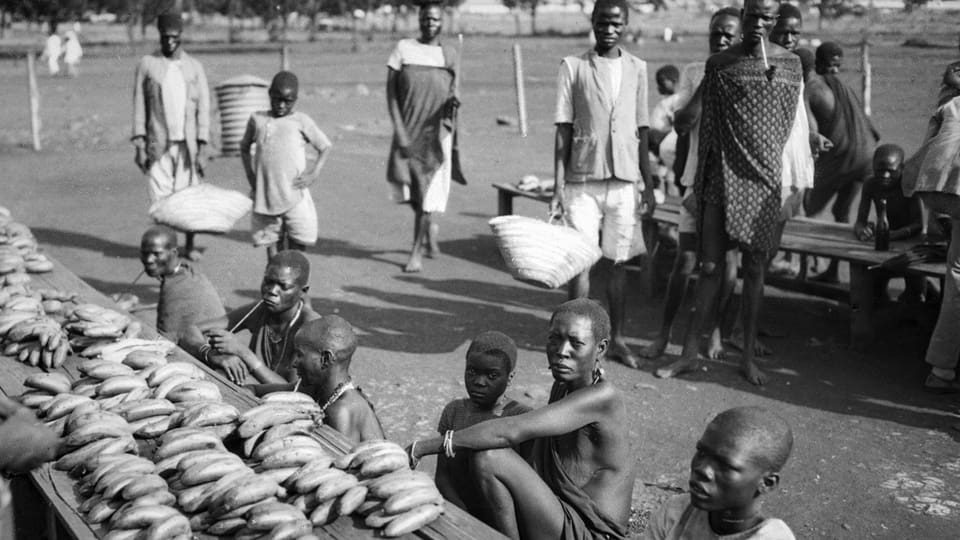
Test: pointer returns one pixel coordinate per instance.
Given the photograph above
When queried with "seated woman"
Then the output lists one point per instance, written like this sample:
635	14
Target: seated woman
273	322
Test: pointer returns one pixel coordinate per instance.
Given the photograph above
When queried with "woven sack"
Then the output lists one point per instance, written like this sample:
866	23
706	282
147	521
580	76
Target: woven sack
202	208
545	254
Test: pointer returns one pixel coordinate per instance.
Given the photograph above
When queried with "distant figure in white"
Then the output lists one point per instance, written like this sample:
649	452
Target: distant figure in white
72	53
51	53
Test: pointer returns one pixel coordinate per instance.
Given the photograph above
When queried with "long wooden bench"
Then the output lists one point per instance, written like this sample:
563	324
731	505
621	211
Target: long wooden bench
45	502
805	237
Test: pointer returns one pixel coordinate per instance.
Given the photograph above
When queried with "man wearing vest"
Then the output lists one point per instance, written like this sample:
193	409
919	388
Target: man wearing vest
601	163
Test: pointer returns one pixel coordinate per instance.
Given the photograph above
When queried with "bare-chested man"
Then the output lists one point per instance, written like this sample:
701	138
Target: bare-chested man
750	97
582	476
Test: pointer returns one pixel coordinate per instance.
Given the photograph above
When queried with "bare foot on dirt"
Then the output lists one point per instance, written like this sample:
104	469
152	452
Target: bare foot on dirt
655	349
715	350
415	264
753	374
194	255
432	251
679	367
736	341
621	353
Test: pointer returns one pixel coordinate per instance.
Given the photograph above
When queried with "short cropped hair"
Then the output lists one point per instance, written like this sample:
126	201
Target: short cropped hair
497	344
285	79
789	11
889	149
331	332
769	437
590	309
161	231
728	11
668	72
827	50
294	260
603	4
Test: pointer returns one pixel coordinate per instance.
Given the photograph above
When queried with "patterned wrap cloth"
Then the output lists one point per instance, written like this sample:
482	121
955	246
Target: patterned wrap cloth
746	120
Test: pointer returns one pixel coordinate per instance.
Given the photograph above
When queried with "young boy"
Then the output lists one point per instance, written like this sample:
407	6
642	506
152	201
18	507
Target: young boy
904	214
738	461
323	349
663	139
284	216
491	360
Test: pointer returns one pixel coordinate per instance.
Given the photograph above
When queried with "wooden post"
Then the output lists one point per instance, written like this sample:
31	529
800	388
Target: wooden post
284	57
521	95
867	73
34	101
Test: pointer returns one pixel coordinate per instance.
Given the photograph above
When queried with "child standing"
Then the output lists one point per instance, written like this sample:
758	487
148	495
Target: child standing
490	363
737	462
284	215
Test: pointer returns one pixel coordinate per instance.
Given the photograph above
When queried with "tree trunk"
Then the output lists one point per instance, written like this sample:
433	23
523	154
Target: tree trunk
533	19
516	21
3	23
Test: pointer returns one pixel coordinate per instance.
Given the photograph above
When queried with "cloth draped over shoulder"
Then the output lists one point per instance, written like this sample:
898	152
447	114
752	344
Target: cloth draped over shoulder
582	517
423	93
746	121
853	137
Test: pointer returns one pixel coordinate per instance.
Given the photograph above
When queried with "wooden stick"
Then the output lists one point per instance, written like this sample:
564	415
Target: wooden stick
459	73
34	101
521	95
285	57
867	73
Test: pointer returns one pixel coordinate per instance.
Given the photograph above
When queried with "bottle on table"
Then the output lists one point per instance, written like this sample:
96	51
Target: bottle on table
881	234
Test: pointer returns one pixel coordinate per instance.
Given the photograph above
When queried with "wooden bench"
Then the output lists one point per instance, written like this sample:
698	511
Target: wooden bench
45	502
806	237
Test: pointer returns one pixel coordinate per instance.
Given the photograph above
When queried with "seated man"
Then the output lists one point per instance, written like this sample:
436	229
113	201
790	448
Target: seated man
582	476
737	461
322	351
186	295
272	322
904	214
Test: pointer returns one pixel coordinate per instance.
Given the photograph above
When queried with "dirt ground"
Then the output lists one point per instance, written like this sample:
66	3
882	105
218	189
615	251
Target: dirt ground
875	457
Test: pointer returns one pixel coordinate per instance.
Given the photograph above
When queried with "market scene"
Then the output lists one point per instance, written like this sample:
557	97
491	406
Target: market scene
477	269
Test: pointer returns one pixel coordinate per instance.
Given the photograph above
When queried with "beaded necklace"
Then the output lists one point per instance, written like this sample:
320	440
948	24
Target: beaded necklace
337	392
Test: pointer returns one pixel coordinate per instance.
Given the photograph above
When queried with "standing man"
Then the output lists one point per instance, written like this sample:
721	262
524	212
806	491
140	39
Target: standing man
750	96
840	117
601	159
171	117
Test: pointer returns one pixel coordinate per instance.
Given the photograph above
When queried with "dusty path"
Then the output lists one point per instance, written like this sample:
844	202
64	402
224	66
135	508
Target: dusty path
875	457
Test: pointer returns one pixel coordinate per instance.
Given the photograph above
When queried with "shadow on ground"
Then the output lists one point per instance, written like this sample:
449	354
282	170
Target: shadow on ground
58	237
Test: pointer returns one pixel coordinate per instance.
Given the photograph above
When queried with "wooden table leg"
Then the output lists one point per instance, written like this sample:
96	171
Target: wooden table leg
504	203
861	306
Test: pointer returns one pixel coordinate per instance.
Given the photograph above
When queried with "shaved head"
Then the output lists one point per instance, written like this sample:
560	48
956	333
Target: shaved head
295	261
168	235
331	333
765	435
889	151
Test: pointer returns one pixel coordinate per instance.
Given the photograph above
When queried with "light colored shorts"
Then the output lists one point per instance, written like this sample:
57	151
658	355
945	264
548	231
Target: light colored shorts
300	223
610	206
688	221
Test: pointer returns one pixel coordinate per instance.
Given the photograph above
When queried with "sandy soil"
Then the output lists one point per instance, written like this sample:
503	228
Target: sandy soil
874	457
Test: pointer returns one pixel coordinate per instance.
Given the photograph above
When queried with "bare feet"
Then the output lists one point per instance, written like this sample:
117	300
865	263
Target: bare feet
678	367
715	350
753	374
621	353
194	255
432	251
415	264
655	349
736	341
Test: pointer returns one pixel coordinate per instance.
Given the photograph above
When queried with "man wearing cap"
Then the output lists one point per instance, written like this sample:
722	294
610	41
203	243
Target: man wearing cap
171	117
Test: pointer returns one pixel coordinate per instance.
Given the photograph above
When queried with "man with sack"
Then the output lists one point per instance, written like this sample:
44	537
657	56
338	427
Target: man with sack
601	161
171	117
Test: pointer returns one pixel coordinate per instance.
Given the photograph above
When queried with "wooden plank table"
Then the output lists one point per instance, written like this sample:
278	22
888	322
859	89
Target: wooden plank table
45	499
806	237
